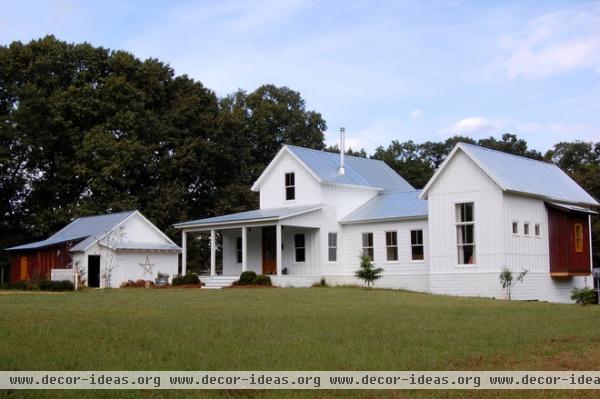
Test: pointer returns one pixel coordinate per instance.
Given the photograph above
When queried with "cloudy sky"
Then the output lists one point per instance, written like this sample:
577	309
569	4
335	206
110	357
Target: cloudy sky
385	70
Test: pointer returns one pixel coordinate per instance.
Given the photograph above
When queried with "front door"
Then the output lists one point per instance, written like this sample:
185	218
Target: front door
24	266
269	255
94	271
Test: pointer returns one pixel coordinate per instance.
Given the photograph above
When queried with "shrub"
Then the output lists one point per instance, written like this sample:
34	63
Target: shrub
368	272
508	279
22	285
247	278
49	285
188	279
261	279
136	284
584	296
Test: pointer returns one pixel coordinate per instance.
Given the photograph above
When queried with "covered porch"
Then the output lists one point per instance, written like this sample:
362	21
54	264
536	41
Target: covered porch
276	242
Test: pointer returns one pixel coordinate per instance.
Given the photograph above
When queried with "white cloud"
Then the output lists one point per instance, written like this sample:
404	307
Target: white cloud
474	126
416	114
553	44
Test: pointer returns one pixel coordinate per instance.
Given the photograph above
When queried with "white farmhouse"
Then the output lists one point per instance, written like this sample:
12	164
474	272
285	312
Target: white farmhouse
107	249
482	211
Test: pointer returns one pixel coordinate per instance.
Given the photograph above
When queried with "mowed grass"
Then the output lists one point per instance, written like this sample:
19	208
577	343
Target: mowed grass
291	329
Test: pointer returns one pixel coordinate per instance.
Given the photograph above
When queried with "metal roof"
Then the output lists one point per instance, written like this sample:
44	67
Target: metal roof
389	205
259	215
359	171
529	176
572	208
88	229
145	246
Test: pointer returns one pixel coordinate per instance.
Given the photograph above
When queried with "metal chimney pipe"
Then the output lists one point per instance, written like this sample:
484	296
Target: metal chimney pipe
341	170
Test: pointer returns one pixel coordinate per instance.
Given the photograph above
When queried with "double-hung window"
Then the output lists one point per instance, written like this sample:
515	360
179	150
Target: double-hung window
416	245
290	186
391	245
332	246
465	233
367	245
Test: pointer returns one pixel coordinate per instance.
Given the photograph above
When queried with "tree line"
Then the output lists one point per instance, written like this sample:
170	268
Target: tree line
86	130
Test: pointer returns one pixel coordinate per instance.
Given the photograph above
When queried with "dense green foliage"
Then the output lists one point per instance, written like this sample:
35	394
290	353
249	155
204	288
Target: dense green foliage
262	279
304	329
247	277
86	130
49	285
584	296
188	279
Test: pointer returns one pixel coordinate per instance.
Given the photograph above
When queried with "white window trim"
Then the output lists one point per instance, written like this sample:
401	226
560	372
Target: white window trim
410	259
397	260
540	227
337	252
295	247
362	248
527	235
285	187
511	228
461	265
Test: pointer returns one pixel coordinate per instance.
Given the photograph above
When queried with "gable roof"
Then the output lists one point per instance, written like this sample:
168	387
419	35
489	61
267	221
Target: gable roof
360	172
521	175
256	215
389	206
90	229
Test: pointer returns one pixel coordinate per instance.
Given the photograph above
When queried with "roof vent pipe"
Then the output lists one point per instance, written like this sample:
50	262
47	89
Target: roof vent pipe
341	170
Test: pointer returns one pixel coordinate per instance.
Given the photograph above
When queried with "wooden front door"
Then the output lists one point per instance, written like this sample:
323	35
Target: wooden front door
93	271
269	254
24	275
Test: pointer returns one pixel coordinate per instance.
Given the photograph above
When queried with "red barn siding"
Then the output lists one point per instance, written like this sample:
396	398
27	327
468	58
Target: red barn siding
564	259
40	262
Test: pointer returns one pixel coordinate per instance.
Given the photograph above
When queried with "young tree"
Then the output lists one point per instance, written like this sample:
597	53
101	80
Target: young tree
368	272
507	279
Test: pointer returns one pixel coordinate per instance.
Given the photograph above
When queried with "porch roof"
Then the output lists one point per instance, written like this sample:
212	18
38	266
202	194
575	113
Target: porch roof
259	215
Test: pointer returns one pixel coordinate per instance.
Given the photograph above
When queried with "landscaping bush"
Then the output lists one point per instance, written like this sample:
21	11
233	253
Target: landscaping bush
247	278
49	285
188	279
22	285
136	284
261	279
584	296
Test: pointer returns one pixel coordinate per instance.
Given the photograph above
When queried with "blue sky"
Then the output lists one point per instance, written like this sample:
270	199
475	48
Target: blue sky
386	70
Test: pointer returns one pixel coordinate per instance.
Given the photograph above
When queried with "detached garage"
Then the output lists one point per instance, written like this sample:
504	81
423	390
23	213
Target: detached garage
104	250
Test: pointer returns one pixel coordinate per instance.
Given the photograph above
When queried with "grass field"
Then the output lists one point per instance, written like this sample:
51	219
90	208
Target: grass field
291	329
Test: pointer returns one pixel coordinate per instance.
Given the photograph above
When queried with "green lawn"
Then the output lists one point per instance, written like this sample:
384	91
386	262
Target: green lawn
290	329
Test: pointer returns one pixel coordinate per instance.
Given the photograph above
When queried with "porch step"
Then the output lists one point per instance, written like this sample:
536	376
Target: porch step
218	282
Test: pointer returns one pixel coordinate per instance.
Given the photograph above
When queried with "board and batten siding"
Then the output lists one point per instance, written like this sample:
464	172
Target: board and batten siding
403	273
272	189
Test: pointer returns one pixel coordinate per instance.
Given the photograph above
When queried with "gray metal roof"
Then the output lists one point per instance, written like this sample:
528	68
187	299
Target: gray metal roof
528	176
88	229
359	171
259	214
390	205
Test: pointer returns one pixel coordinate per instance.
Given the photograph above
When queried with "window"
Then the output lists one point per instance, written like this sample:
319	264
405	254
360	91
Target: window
578	237
332	244
465	233
367	245
416	244
537	229
525	229
391	245
515	228
299	243
238	248
290	186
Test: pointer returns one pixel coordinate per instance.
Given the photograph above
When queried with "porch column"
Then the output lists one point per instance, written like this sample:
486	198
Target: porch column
213	253
244	249
183	253
278	247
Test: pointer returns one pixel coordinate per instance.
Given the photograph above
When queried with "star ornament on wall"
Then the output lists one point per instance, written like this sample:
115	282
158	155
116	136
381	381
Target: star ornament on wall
147	266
